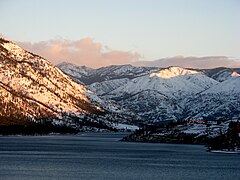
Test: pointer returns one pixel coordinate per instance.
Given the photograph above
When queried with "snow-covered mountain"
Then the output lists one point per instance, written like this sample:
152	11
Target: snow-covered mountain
88	75
108	86
171	93
174	81
79	73
221	74
166	93
161	95
32	89
221	101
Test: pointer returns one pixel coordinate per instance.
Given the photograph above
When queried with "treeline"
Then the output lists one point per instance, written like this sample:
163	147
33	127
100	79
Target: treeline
32	128
170	133
228	141
22	126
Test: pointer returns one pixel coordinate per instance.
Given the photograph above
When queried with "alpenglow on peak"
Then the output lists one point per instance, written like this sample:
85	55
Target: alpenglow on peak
173	72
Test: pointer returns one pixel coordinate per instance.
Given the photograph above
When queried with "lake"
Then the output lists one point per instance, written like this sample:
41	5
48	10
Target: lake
103	156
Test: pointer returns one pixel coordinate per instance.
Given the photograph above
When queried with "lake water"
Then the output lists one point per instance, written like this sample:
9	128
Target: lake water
103	156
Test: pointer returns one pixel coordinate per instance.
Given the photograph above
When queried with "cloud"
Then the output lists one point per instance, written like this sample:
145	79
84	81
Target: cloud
94	54
80	52
192	62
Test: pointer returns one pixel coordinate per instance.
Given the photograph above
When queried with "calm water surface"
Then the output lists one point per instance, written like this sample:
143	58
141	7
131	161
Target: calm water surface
103	156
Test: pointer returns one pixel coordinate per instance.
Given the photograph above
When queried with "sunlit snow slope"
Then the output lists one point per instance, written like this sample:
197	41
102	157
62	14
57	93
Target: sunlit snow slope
31	87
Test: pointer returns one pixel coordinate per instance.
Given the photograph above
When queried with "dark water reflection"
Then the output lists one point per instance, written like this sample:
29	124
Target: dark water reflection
102	156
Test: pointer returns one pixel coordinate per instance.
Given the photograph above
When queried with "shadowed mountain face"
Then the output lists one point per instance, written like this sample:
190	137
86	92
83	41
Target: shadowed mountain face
31	88
88	75
172	93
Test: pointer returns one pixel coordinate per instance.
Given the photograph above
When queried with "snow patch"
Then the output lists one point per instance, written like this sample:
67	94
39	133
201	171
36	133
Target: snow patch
125	127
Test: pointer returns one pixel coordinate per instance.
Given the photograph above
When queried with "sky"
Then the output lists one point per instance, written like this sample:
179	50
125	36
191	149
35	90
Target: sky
103	32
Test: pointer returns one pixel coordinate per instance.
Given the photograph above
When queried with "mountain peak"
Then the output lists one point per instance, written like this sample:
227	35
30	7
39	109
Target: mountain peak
235	74
173	71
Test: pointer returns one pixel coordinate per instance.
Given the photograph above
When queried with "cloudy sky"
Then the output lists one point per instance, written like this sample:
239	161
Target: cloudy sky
103	32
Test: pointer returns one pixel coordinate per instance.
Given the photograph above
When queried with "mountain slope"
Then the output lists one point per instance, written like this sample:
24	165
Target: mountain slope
171	93
32	88
105	87
161	95
88	76
79	73
221	101
172	84
221	74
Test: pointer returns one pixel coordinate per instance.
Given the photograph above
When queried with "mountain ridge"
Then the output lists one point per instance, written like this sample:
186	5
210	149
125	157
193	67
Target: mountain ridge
32	89
151	91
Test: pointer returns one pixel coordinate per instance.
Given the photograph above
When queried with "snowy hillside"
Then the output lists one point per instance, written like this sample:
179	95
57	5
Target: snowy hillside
221	74
151	105
171	93
105	87
88	75
221	101
78	73
161	95
33	90
32	87
171	85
